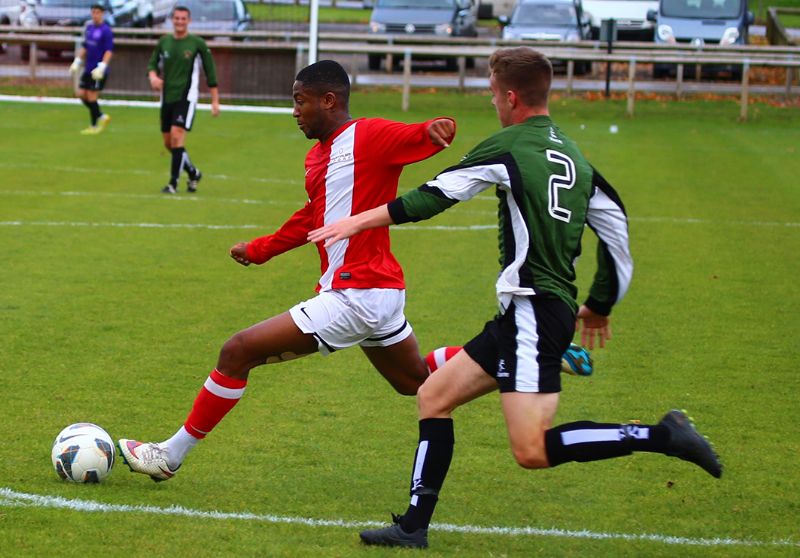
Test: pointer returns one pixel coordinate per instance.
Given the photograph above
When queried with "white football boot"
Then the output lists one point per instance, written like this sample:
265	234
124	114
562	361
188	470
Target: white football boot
146	458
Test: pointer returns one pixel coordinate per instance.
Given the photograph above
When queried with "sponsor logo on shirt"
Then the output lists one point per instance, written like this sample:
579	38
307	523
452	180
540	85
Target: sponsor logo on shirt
341	156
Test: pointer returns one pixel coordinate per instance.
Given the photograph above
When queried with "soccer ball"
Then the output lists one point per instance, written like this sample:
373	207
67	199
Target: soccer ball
83	452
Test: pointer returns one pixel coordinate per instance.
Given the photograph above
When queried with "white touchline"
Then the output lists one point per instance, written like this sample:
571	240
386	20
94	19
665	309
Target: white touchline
12	499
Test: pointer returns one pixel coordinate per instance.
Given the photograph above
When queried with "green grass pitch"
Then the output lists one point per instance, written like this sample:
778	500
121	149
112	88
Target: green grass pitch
115	299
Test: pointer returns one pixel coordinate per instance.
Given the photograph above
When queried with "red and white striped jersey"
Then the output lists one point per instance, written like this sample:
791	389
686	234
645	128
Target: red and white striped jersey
354	170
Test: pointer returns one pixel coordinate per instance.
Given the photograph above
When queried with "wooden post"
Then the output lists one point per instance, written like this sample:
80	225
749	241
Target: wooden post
570	76
745	89
406	80
299	61
789	75
631	85
389	57
462	69
353	69
34	58
679	82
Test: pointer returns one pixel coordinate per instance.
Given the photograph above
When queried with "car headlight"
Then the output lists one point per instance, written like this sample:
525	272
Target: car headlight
443	29
508	34
573	36
376	27
665	33
729	37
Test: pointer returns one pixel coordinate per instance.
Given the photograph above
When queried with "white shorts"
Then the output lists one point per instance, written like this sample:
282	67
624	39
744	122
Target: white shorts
346	317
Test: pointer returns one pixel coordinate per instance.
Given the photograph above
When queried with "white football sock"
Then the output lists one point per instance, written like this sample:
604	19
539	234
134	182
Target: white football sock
178	446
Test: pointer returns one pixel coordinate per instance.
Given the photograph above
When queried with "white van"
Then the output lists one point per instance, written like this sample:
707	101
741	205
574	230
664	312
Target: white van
630	16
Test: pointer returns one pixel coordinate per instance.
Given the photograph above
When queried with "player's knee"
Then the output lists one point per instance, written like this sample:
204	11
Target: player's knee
233	353
407	388
431	403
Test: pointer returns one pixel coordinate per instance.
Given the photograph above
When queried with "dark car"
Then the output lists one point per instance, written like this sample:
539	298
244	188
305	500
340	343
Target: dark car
443	18
77	13
548	20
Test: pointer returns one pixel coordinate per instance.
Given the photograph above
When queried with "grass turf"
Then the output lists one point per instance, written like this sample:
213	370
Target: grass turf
116	299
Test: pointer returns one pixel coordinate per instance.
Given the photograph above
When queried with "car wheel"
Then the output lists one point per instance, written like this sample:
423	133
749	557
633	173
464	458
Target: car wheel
660	71
375	61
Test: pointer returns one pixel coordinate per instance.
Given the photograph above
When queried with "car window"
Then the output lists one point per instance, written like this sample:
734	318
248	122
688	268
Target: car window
545	14
429	4
205	9
724	9
68	3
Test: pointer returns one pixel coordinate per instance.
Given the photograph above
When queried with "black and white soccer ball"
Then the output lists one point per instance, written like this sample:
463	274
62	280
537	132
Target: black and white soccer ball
83	452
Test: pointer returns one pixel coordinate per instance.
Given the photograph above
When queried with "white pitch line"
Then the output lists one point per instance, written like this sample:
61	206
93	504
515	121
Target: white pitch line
125	225
12	499
85	224
140	104
140	172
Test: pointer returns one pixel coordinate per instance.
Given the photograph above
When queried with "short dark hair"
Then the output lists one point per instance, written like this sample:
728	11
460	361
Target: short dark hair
181	8
97	6
324	76
524	70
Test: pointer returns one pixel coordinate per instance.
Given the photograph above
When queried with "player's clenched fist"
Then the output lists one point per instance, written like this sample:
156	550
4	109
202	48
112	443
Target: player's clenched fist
239	253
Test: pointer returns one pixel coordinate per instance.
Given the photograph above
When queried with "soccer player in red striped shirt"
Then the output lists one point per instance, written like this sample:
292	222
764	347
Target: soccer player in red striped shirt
354	166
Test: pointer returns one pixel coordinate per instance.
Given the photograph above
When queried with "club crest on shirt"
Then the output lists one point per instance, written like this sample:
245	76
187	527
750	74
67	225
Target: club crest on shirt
187	54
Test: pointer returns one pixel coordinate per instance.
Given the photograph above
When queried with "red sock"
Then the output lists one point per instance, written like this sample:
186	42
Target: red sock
217	396
437	358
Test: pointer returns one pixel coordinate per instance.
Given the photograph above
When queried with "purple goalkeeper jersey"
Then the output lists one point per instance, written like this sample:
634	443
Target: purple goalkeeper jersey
97	40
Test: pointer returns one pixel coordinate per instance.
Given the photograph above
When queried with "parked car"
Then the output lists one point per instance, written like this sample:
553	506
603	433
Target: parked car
443	18
216	15
548	20
701	22
630	17
16	12
10	11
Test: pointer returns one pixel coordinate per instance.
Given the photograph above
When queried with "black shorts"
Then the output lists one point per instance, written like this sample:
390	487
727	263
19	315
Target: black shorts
88	82
522	347
180	114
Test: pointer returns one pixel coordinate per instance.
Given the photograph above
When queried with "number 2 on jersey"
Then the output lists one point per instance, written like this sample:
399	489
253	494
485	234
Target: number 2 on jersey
557	182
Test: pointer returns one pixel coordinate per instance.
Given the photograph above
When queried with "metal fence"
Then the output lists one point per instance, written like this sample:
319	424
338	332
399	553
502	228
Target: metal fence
261	65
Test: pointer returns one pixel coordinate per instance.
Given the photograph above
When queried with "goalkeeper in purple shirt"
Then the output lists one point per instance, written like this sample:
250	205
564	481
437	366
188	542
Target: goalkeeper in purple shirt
94	56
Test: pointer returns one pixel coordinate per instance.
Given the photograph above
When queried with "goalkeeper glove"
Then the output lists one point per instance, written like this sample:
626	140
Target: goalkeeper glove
99	72
75	66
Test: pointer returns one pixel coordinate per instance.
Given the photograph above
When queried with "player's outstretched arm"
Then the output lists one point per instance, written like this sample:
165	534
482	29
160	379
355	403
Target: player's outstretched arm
349	226
592	326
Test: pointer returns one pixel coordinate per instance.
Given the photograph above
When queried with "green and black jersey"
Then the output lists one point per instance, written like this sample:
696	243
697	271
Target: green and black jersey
547	192
178	61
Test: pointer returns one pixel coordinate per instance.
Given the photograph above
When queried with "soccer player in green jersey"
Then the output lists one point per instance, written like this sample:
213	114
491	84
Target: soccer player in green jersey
547	193
179	57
